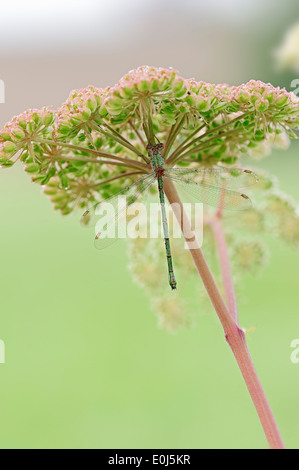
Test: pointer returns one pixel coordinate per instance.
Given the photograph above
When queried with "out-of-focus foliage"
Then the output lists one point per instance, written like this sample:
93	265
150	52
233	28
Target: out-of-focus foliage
272	212
287	55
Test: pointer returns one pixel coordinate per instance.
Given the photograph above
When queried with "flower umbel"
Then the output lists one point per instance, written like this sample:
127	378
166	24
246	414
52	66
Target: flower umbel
95	143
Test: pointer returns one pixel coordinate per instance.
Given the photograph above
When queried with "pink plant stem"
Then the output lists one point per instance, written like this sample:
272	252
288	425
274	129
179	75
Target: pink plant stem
233	334
228	285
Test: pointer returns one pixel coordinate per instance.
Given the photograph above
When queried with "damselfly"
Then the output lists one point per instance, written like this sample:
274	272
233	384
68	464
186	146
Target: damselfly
209	185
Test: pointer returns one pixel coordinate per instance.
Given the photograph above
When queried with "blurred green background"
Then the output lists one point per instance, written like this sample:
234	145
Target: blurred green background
86	365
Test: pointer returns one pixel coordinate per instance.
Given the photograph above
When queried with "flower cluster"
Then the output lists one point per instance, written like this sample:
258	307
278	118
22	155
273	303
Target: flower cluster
95	145
18	134
267	106
82	107
165	95
99	136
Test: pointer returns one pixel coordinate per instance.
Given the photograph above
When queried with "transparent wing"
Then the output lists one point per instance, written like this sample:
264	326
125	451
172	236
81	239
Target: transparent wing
212	195
219	177
105	215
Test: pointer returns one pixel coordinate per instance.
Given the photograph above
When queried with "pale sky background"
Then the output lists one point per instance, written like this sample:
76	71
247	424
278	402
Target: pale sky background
48	48
33	26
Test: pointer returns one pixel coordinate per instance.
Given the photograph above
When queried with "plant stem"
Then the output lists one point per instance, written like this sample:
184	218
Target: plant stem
150	127
119	138
137	133
190	137
178	151
113	178
74	147
203	145
234	336
227	280
126	162
93	160
172	136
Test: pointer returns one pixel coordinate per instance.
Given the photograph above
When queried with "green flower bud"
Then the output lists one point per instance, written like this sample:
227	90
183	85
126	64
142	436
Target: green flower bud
9	147
190	100
36	118
143	85
169	111
181	93
65	128
7	163
22	124
19	134
92	104
31	126
154	85
261	105
32	168
5	135
125	92
58	198
281	101
86	113
49	191
48	119
203	105
244	97
230	160
178	85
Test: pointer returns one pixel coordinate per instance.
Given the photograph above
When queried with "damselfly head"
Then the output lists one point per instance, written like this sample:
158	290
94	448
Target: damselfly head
154	148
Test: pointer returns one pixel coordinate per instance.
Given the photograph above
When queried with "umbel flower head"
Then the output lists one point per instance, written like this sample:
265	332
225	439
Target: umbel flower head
95	143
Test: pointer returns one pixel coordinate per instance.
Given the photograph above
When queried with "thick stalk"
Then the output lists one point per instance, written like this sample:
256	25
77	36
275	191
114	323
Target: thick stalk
227	280
233	334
